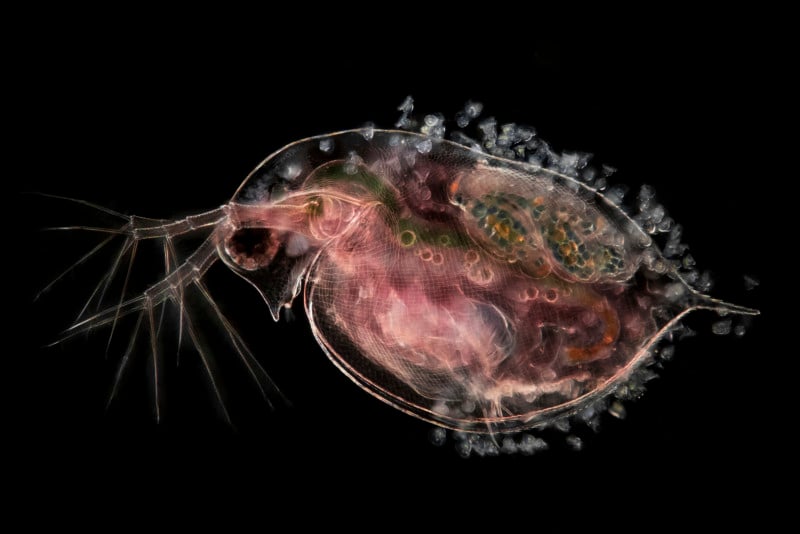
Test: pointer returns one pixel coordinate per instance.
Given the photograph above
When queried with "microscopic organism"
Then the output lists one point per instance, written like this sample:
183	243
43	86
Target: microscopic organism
487	286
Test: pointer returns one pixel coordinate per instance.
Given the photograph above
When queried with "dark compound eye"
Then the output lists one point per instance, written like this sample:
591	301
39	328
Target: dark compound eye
252	248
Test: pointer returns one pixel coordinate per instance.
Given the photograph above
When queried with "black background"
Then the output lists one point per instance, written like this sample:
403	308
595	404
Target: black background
165	117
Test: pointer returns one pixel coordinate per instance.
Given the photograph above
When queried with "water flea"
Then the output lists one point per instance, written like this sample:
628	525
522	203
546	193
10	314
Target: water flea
537	299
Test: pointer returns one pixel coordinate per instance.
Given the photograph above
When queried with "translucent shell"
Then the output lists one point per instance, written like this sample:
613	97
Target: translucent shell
474	292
